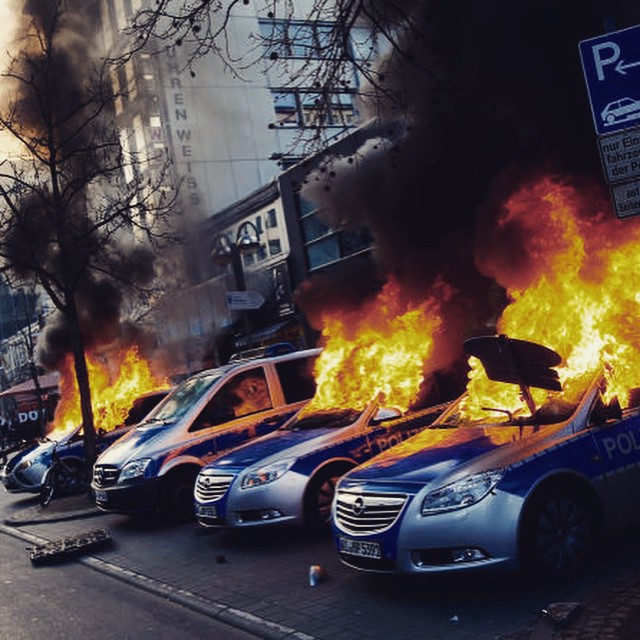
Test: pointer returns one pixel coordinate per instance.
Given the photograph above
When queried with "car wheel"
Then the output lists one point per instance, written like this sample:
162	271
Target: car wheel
46	491
70	478
559	534
177	497
319	496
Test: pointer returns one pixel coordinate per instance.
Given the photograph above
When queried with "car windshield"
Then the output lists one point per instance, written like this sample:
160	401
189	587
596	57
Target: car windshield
177	403
330	419
555	409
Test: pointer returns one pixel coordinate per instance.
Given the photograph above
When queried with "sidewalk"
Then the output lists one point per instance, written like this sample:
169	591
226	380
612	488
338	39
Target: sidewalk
612	615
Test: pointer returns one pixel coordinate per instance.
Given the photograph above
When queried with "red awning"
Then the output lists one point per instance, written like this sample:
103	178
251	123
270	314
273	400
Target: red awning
47	382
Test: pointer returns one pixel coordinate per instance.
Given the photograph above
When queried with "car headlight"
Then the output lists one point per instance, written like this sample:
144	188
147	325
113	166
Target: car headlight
268	473
462	493
23	466
134	469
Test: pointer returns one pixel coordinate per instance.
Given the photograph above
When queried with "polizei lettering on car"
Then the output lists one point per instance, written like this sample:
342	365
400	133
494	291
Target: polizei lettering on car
289	476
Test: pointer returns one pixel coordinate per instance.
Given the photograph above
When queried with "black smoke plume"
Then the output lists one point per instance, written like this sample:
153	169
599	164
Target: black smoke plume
65	241
485	94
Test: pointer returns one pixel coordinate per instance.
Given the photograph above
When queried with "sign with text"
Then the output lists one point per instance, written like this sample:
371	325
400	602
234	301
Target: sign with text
244	300
626	199
620	155
611	66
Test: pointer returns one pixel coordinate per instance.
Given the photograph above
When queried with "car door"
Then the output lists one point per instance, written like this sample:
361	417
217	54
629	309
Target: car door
242	408
617	437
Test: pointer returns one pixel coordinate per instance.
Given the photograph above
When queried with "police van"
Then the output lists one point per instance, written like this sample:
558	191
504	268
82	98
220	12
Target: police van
153	467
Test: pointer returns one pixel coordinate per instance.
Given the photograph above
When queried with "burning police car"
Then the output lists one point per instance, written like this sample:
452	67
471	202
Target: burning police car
503	488
153	468
28	469
289	476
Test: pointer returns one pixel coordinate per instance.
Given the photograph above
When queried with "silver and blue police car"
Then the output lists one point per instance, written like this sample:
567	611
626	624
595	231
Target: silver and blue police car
27	471
533	491
289	476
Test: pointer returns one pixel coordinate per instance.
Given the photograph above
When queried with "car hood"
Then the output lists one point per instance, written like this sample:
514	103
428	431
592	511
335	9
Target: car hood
277	445
139	442
436	453
29	453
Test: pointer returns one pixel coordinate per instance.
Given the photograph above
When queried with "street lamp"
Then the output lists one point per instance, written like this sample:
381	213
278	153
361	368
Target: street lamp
224	252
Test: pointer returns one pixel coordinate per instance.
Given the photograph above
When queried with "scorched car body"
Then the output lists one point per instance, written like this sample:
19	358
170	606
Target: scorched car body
289	476
501	493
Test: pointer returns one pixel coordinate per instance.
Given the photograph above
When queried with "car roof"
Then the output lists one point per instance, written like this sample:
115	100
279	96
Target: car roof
249	362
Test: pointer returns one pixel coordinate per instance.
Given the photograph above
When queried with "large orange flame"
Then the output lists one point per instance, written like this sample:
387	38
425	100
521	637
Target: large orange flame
116	381
379	351
582	300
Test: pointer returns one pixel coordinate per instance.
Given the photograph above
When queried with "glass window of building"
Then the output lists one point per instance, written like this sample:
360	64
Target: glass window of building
286	105
275	247
271	220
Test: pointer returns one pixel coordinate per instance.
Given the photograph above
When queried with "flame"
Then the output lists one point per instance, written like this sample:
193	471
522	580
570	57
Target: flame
582	298
379	351
115	383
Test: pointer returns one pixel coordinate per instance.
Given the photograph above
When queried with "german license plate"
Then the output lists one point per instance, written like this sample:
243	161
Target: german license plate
101	497
207	511
360	548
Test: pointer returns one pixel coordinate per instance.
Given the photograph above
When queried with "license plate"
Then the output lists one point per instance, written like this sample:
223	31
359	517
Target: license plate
360	548
207	510
101	496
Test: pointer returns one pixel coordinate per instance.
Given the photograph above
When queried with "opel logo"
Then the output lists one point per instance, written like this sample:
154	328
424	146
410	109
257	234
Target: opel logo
358	506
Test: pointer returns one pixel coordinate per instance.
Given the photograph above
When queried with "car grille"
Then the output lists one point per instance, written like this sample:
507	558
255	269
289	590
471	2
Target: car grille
211	486
358	512
104	475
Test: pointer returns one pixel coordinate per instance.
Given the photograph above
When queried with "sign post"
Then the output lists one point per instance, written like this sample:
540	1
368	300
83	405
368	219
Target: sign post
611	66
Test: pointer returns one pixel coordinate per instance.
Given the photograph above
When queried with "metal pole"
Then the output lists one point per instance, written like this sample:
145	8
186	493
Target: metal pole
238	273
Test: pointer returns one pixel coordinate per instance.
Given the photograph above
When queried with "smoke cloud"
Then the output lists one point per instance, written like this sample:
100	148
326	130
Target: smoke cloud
479	97
65	241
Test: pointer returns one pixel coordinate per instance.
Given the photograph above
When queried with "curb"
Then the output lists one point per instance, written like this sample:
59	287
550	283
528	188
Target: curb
44	518
215	610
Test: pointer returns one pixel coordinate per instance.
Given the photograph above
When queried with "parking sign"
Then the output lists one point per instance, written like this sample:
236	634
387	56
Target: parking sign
611	65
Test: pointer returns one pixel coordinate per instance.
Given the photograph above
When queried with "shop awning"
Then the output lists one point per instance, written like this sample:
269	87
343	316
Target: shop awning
47	382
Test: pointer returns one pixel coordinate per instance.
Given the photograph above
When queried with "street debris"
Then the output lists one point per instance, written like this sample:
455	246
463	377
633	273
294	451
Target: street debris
562	614
316	575
454	618
71	546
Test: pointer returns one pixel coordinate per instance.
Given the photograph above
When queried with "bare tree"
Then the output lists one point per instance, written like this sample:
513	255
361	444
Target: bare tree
328	47
69	220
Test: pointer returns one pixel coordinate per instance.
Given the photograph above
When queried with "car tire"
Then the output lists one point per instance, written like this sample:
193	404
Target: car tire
559	534
70	478
46	491
177	496
319	496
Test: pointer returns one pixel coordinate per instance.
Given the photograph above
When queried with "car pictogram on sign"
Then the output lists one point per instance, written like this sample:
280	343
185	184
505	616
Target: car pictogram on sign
621	110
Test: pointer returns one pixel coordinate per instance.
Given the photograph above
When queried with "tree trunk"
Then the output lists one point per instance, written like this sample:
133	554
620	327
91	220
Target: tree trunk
84	390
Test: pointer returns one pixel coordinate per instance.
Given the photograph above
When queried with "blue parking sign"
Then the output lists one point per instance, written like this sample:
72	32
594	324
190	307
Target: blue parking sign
611	65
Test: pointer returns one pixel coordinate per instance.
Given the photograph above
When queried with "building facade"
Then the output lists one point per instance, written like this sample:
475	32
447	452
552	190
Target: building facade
231	133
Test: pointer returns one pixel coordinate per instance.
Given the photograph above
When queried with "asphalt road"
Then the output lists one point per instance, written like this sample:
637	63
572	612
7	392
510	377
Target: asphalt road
68	601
